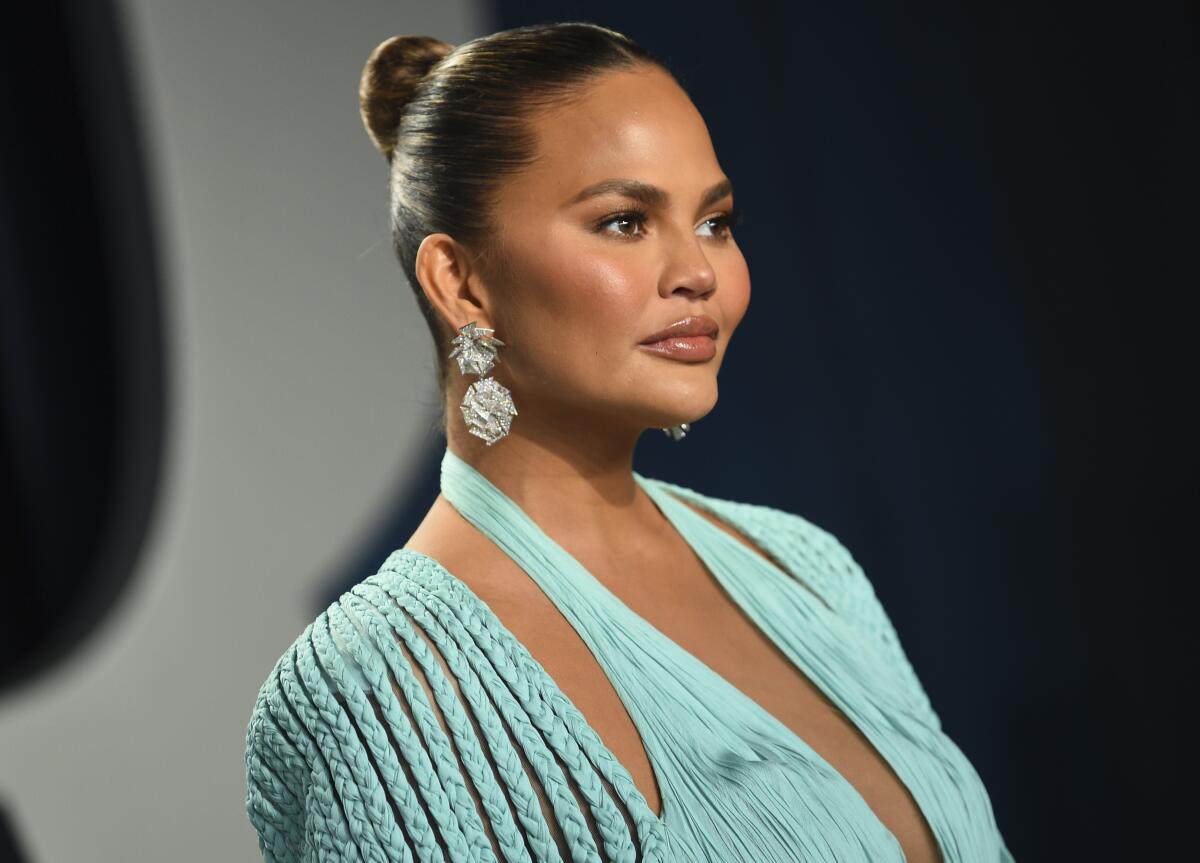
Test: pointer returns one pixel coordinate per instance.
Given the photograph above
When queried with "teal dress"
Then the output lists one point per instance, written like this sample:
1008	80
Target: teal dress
408	723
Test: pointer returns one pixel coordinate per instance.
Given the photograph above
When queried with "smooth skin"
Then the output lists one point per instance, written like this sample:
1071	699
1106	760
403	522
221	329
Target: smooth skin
583	283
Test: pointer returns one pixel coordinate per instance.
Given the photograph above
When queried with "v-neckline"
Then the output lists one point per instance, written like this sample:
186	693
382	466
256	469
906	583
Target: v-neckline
652	487
660	487
715	579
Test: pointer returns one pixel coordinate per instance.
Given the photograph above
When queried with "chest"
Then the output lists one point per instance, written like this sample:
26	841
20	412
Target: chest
681	598
707	623
664	581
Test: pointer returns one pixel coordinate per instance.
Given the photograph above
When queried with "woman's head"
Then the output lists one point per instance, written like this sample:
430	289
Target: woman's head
494	147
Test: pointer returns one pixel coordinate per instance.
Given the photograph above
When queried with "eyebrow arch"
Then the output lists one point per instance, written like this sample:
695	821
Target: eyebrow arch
648	194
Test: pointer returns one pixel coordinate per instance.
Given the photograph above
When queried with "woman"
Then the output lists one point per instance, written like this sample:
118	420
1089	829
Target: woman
568	660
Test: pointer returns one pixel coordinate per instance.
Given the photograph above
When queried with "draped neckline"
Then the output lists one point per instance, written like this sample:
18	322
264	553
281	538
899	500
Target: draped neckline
460	479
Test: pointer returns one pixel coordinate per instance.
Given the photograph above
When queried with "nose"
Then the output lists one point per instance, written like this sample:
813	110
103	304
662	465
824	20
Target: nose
689	271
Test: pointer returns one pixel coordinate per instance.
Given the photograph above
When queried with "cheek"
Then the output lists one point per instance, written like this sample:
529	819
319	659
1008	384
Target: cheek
580	289
572	311
733	296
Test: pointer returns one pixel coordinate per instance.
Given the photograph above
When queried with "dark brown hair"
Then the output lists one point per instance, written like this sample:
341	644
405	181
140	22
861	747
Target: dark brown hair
453	122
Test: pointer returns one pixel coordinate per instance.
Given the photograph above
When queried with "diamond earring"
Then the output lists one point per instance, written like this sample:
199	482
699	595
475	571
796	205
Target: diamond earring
677	432
488	406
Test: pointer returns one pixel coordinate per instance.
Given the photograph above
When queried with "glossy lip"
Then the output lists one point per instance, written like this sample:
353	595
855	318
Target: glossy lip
686	348
693	325
693	339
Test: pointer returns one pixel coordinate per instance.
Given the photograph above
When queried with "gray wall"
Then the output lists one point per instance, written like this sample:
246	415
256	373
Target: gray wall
302	379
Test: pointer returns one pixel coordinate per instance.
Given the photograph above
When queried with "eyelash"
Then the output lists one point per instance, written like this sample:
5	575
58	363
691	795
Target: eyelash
729	220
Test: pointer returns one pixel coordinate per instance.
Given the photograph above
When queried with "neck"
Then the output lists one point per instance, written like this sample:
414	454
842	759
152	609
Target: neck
567	470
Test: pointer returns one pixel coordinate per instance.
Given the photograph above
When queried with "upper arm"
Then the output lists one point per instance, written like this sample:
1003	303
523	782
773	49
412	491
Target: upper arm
403	725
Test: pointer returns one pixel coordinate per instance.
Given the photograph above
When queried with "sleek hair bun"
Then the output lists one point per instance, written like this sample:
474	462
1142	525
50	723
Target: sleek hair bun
389	79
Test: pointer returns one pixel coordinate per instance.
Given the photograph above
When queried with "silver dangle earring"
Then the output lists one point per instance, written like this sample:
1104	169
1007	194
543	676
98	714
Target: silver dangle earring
677	432
488	406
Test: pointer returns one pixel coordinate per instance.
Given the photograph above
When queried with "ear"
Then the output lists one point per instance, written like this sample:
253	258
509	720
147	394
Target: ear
453	286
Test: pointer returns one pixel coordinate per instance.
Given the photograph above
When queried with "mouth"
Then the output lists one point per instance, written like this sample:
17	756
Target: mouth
693	339
691	349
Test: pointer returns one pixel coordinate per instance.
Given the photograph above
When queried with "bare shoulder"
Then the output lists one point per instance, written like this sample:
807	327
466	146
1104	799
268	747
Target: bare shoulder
511	594
471	557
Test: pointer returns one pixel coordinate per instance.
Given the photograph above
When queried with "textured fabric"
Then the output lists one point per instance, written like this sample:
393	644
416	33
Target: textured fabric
408	723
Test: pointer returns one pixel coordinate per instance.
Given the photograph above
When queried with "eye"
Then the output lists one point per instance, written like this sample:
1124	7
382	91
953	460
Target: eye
635	216
725	222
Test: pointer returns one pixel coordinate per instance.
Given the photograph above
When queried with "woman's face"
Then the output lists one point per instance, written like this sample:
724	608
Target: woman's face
588	277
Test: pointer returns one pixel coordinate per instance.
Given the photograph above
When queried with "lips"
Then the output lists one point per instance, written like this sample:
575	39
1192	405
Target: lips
693	339
693	325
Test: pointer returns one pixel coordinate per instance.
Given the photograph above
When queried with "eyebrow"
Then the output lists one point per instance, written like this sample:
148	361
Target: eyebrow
649	194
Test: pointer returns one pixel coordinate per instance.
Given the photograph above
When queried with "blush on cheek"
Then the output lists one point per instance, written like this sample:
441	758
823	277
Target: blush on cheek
602	293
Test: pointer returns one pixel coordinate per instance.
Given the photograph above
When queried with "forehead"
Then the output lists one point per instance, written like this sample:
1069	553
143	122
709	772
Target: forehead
636	124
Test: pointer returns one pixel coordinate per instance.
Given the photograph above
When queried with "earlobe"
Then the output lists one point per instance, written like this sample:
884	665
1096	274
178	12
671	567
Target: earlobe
453	288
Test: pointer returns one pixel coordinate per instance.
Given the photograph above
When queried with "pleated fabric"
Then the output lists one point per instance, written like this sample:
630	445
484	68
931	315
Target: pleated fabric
408	723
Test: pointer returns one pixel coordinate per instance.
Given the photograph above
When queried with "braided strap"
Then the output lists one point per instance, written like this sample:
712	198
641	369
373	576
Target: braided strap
466	626
525	675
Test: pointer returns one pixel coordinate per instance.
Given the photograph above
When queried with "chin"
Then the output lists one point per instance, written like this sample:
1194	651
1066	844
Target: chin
678	407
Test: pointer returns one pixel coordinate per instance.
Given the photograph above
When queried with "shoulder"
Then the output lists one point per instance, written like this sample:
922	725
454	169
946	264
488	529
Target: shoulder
349	701
346	647
352	741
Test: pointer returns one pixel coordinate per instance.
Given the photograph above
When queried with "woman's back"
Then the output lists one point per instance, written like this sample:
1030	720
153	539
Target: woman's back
408	718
